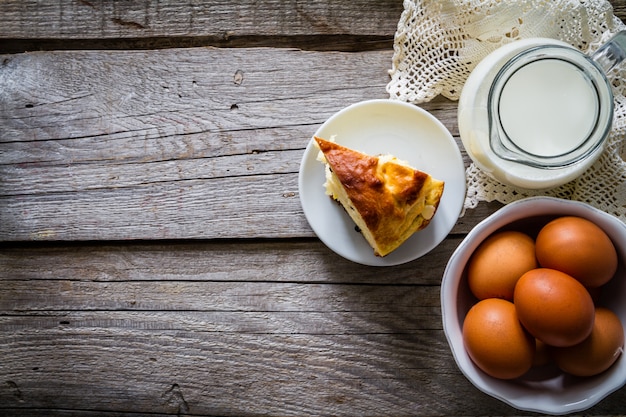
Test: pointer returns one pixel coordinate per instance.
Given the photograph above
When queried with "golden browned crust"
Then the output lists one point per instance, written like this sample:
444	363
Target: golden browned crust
390	197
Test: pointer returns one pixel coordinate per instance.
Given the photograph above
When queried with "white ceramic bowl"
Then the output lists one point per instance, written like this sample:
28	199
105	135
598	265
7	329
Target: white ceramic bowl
544	390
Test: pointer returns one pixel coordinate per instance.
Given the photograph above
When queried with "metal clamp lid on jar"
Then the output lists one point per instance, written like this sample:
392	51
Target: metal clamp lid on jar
592	69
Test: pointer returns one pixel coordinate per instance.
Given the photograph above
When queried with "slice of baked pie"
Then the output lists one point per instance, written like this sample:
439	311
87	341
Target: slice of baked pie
386	198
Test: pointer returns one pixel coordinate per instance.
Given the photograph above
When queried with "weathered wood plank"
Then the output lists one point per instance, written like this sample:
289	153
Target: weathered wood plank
158	94
167	144
262	207
178	325
294	261
131	363
257	321
146	145
202	373
52	295
133	324
66	19
186	328
314	25
230	208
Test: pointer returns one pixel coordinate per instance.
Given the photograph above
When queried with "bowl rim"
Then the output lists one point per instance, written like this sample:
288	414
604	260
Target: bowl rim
507	391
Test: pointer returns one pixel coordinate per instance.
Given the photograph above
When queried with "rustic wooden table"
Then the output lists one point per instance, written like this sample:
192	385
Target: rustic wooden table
155	259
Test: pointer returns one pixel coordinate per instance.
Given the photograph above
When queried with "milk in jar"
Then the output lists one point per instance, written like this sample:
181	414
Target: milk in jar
548	107
535	113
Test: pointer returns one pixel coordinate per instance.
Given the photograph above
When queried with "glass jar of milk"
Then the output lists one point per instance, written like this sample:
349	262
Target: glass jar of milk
535	113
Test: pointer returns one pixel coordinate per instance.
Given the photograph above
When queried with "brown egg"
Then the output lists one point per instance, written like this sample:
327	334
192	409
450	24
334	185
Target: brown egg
579	248
554	307
596	353
498	263
496	341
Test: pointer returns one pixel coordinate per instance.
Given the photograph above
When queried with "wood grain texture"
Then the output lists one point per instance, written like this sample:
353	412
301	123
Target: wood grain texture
278	261
314	25
112	145
187	328
180	341
154	257
152	18
173	341
220	373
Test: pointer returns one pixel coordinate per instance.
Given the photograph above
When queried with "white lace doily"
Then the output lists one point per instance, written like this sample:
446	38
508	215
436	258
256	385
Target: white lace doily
439	42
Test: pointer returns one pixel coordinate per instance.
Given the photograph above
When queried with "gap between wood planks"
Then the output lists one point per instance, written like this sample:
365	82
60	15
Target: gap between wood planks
321	43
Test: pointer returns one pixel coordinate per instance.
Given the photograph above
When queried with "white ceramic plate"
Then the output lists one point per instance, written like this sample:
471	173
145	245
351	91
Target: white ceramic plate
381	127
